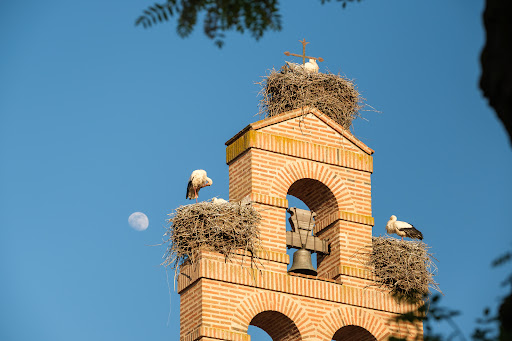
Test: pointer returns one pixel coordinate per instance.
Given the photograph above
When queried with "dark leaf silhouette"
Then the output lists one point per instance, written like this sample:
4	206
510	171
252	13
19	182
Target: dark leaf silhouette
253	16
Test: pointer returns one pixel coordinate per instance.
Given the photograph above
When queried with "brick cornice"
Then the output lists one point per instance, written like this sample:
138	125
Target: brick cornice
215	333
325	222
297	148
322	289
269	200
190	272
353	271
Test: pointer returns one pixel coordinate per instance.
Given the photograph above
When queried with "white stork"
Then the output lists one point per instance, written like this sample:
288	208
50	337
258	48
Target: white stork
402	229
311	66
198	180
291	67
219	201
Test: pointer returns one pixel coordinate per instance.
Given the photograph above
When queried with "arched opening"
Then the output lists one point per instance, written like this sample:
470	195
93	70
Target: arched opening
353	333
312	195
277	325
317	196
295	202
258	334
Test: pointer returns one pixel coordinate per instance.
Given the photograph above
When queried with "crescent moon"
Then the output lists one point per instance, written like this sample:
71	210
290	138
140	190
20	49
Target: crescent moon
138	221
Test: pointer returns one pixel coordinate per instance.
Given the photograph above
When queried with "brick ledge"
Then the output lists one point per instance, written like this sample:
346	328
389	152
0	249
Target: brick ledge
324	289
215	333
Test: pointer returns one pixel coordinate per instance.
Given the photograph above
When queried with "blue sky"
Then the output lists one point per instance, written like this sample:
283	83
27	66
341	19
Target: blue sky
99	119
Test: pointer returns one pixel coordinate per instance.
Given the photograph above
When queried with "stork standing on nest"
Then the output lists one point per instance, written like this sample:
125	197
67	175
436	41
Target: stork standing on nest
402	229
198	180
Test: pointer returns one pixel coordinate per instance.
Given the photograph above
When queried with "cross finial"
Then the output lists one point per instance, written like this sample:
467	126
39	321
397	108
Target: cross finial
303	56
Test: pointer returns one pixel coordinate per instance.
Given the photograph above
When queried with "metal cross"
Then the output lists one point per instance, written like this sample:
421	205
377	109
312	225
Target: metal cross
303	55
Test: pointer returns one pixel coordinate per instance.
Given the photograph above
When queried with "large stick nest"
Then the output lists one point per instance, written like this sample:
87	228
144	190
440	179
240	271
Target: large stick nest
293	87
224	228
405	267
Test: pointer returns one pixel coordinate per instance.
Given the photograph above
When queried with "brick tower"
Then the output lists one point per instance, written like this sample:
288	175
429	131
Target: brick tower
305	154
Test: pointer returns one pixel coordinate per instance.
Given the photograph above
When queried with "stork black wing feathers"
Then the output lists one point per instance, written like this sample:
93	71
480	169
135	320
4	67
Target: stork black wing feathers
413	233
190	191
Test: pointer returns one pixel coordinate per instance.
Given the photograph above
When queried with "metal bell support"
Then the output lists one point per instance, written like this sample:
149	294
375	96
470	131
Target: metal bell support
302	224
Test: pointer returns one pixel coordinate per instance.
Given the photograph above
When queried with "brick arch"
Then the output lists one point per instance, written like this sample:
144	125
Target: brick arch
269	301
353	333
349	316
298	170
277	325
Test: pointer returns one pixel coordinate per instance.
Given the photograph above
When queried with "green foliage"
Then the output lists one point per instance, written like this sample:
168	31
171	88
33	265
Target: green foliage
254	16
219	16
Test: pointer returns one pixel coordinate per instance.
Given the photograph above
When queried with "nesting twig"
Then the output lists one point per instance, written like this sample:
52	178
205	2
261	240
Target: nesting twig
293	88
224	228
404	267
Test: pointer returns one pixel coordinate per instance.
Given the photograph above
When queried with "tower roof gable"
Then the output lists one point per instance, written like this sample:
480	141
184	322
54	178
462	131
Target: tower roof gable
269	121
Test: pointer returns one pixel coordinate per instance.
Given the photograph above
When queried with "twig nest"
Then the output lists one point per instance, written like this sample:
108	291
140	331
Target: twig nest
294	87
405	267
218	226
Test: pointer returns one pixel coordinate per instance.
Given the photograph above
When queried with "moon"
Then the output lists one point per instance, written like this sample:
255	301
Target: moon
138	221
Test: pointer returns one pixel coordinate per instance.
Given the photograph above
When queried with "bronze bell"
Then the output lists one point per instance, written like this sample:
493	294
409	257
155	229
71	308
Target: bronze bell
302	263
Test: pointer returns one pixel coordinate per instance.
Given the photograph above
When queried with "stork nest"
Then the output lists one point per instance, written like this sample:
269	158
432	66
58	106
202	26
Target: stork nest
293	87
404	267
224	228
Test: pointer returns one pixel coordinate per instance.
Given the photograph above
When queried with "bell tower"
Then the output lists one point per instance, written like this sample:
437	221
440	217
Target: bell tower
305	154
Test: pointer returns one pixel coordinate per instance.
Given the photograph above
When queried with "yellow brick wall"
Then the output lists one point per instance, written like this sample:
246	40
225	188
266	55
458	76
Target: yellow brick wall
318	162
232	295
